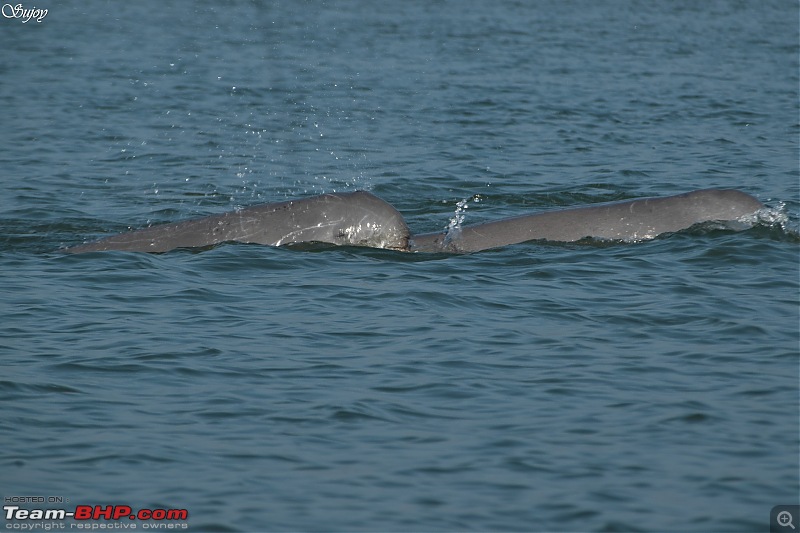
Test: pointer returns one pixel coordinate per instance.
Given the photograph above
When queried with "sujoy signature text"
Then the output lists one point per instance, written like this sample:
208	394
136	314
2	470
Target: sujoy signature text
22	13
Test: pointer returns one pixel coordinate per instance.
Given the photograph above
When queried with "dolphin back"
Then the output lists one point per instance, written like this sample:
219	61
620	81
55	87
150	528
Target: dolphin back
356	219
632	220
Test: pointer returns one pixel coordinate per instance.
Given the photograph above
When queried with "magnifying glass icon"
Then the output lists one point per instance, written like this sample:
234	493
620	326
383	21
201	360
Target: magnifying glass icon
785	519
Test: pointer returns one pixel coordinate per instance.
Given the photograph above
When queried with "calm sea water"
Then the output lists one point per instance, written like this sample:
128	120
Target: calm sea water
596	387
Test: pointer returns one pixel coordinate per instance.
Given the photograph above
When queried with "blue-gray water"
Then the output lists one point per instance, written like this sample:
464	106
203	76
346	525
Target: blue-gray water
595	387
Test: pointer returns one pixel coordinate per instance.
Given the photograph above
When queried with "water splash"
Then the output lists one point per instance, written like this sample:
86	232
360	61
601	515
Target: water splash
776	218
453	229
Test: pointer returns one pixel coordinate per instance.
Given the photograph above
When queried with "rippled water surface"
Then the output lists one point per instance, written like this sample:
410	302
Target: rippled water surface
540	387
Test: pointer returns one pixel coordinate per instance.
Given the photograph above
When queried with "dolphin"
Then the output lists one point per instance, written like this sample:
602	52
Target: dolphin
356	219
362	219
632	220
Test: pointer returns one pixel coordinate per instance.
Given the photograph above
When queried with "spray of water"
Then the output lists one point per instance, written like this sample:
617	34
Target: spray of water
453	229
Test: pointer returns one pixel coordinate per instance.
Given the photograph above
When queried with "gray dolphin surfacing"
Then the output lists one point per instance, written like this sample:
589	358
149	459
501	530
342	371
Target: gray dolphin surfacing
631	220
354	219
362	219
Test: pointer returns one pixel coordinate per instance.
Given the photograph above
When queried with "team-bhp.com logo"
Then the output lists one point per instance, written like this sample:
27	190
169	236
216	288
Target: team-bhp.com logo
150	518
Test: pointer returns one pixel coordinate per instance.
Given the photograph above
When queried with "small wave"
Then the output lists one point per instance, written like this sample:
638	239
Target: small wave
774	219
